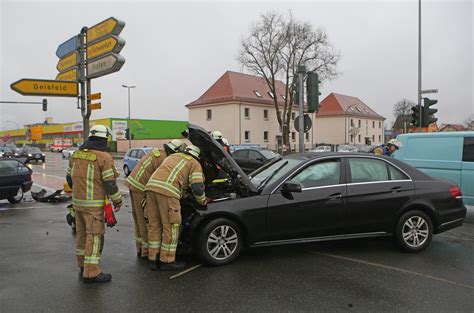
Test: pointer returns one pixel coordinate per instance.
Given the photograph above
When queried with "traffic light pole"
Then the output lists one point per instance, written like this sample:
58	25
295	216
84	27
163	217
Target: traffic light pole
301	73
419	65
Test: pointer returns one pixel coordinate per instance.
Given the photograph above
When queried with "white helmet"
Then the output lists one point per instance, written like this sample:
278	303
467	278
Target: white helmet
100	131
395	142
216	135
225	141
175	145
193	150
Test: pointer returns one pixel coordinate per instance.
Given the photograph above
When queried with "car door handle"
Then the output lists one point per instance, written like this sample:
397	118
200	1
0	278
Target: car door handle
335	196
396	189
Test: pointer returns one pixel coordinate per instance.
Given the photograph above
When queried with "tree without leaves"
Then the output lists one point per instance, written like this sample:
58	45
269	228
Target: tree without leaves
275	48
402	107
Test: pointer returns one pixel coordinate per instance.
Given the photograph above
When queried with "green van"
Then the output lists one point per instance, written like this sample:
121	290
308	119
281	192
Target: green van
447	155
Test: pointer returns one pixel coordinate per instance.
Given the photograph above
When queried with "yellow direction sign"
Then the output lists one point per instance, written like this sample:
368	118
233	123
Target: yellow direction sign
68	61
95	96
110	26
95	106
43	87
69	75
110	44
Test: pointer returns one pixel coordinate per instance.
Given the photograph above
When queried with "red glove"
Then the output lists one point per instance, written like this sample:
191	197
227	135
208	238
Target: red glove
109	214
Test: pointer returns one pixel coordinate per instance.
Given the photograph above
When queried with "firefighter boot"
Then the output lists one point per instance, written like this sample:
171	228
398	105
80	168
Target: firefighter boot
101	278
153	264
176	265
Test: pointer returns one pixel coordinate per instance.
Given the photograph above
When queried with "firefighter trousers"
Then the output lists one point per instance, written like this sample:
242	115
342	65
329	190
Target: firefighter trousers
90	232
164	219
141	231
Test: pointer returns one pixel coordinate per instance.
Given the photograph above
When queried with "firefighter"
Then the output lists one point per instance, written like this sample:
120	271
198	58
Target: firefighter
388	149
91	175
164	190
136	182
217	135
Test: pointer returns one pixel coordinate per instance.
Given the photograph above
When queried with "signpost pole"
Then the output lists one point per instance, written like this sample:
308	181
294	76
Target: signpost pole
301	73
82	80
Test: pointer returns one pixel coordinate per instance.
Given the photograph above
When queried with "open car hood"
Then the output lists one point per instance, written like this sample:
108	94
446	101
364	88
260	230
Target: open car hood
213	157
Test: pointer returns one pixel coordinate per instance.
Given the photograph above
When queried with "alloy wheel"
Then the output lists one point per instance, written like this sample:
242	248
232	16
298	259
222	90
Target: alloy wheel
222	242
415	231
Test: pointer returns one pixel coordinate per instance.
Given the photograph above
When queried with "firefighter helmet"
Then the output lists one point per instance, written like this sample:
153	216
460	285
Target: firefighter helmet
193	150
175	145
216	135
100	131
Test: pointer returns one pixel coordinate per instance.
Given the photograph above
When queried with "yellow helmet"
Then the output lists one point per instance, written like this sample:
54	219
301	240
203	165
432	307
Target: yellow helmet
175	145
66	187
193	150
216	135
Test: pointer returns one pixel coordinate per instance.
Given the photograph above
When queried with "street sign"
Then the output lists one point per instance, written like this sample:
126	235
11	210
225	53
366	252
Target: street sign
67	47
95	96
430	91
110	26
68	61
95	106
307	123
43	87
110	63
110	44
69	75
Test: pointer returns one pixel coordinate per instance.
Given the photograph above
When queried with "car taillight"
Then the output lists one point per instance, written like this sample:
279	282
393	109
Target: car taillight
455	192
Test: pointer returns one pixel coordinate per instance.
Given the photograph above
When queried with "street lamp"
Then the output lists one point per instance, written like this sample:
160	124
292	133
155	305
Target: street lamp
128	122
16	124
345	122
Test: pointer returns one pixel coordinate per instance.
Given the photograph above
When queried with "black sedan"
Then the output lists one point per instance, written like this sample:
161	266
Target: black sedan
15	180
251	159
33	154
315	197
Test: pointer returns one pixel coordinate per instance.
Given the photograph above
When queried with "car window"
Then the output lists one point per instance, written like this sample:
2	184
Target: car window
243	154
34	150
468	149
367	170
140	154
133	154
396	174
253	155
9	167
320	174
269	154
283	170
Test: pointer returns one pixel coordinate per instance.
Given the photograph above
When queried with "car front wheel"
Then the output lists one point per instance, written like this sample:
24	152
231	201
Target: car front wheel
18	197
126	170
414	231
219	242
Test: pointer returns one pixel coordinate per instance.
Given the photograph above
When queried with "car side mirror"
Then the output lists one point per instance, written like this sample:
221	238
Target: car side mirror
291	186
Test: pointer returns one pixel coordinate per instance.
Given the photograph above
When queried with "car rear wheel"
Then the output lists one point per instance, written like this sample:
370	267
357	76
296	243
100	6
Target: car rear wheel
219	242
414	231
18	197
126	170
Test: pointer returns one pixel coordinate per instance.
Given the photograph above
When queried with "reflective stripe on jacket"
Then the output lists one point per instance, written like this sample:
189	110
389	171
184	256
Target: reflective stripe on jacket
148	164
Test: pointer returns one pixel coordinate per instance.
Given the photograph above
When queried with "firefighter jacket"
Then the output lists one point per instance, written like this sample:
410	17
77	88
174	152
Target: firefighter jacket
178	172
93	175
382	150
148	164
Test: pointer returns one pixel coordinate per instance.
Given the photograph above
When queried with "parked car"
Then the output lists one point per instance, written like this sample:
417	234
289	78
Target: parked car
15	180
346	148
251	159
132	157
33	154
322	149
365	148
6	152
447	155
67	153
314	197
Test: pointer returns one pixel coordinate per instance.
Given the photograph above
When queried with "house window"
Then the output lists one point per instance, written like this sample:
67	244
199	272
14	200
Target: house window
265	136
352	123
380	138
293	136
373	138
373	124
352	138
265	115
271	95
257	94
247	135
247	113
380	124
359	125
359	137
293	115
209	114
307	136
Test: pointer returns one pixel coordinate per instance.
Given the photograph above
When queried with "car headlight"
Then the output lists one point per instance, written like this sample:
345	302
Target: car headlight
29	154
42	154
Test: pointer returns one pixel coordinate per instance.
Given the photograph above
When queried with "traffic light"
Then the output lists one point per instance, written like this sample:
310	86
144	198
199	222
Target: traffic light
312	92
415	116
127	133
428	114
45	105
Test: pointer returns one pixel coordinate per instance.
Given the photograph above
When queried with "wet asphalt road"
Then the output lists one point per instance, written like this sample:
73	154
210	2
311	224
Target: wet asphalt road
38	271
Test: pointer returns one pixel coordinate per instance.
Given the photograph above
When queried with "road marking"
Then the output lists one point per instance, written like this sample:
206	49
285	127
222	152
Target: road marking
453	237
397	269
195	267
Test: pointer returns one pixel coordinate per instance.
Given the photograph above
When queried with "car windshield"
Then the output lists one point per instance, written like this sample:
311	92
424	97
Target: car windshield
269	154
34	150
283	166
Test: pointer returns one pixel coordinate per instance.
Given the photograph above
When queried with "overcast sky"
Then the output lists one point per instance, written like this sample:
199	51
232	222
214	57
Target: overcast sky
175	50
